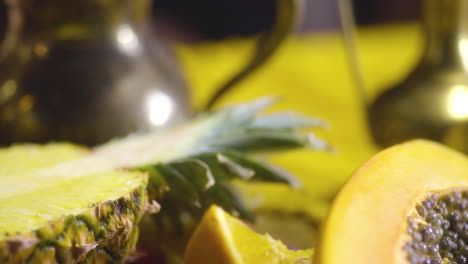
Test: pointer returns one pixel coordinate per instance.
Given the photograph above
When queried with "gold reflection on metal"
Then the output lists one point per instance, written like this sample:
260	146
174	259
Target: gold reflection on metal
463	49
159	108
127	40
40	50
8	90
458	102
26	103
431	102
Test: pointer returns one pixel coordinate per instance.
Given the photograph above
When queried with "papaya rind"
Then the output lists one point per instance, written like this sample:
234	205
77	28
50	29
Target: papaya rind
368	216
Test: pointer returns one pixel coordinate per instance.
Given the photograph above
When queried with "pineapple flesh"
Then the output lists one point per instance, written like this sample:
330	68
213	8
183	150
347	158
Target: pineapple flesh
92	218
61	203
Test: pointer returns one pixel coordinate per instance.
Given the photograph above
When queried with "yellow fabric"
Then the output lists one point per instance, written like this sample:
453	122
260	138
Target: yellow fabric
312	75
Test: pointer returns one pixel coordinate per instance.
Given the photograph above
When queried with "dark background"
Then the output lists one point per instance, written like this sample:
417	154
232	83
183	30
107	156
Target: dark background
214	19
189	20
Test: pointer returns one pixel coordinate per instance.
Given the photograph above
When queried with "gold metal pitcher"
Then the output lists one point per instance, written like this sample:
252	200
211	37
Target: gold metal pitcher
432	102
90	70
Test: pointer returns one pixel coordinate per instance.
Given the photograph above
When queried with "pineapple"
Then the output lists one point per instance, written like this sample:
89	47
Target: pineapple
60	203
47	216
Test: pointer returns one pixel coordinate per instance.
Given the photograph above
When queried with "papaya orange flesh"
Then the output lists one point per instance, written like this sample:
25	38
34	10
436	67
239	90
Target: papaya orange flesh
408	204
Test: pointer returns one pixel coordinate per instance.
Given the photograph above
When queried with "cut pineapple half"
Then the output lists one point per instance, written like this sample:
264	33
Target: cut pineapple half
222	238
80	205
62	218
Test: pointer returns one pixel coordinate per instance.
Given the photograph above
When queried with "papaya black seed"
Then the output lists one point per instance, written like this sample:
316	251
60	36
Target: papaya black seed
439	209
453	235
454	217
465	216
457	228
460	205
440	234
445	225
426	261
445	243
428	235
463	251
460	259
432	250
436	222
421	210
417	236
448	199
461	243
431	216
428	204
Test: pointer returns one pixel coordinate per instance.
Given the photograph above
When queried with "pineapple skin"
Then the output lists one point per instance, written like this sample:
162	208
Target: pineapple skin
104	233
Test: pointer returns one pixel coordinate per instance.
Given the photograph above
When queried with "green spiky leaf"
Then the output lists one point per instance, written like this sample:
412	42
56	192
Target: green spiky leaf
220	154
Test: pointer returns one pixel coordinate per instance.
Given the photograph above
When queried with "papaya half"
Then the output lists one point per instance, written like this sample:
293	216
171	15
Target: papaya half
408	204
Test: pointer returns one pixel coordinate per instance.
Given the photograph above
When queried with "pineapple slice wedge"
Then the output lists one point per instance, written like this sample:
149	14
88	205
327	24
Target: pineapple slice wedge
88	219
84	206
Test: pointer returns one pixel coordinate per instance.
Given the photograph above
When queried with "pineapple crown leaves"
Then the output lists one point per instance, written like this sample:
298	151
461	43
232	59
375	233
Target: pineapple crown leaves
239	128
201	176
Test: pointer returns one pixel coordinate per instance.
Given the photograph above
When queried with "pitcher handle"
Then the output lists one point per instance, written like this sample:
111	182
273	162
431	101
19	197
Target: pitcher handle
14	24
266	46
